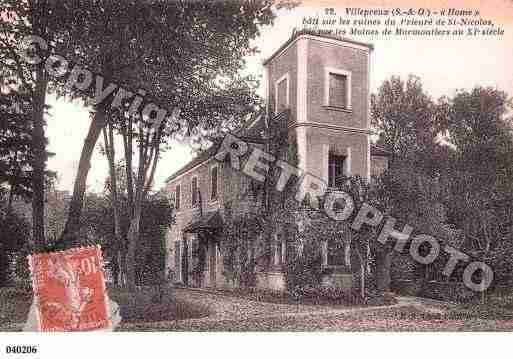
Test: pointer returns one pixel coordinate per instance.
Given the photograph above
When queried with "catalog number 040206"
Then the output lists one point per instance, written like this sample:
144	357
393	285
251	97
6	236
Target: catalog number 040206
21	349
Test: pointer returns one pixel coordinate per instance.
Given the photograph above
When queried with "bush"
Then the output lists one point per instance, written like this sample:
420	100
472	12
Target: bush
22	271
303	295
329	295
319	295
154	303
15	305
305	271
501	260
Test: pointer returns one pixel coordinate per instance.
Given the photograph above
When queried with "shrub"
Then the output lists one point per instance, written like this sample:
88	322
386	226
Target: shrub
320	295
15	304
154	303
501	260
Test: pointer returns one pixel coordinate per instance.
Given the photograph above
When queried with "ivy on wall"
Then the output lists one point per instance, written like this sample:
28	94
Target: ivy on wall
257	211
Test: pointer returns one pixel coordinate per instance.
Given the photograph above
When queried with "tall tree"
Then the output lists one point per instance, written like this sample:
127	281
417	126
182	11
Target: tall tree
15	146
98	224
479	177
169	50
19	20
406	120
187	55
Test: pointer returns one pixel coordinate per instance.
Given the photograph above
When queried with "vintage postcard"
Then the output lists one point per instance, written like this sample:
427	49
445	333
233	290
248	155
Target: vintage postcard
256	166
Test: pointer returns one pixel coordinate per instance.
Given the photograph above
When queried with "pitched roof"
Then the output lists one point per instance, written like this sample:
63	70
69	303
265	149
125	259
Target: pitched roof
200	158
251	131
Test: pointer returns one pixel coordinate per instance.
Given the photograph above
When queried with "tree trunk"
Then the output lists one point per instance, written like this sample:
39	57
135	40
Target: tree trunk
120	244
122	266
115	269
10	200
383	264
108	137
39	161
141	190
362	280
132	237
70	235
362	265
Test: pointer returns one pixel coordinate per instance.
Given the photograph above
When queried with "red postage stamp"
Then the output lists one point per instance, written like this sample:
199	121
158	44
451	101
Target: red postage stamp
69	289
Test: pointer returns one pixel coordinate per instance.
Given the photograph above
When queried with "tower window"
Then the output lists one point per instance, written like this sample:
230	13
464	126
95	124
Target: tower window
280	250
338	88
282	93
335	168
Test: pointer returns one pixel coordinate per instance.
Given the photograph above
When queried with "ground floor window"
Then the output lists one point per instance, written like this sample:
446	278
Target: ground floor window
335	168
280	250
178	260
336	254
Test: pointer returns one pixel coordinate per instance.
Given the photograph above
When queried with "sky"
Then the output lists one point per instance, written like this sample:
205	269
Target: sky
443	65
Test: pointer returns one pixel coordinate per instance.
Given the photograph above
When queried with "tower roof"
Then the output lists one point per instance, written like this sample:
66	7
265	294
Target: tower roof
311	33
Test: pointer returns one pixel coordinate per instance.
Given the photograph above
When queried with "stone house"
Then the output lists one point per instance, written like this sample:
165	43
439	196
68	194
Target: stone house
320	86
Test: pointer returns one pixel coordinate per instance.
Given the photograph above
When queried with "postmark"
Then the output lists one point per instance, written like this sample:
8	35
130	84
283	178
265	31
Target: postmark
69	290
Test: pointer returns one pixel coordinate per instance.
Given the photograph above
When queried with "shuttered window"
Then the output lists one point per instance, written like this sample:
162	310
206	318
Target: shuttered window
335	169
213	183
336	253
194	190
282	93
177	197
338	90
178	260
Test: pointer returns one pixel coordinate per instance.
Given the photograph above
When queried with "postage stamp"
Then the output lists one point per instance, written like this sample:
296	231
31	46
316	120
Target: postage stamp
69	290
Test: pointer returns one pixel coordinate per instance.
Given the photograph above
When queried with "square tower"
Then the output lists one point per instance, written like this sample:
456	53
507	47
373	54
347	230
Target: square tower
324	82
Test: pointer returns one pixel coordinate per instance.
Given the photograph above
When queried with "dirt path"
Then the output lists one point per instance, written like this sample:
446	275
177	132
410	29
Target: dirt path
426	304
226	310
409	314
230	313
